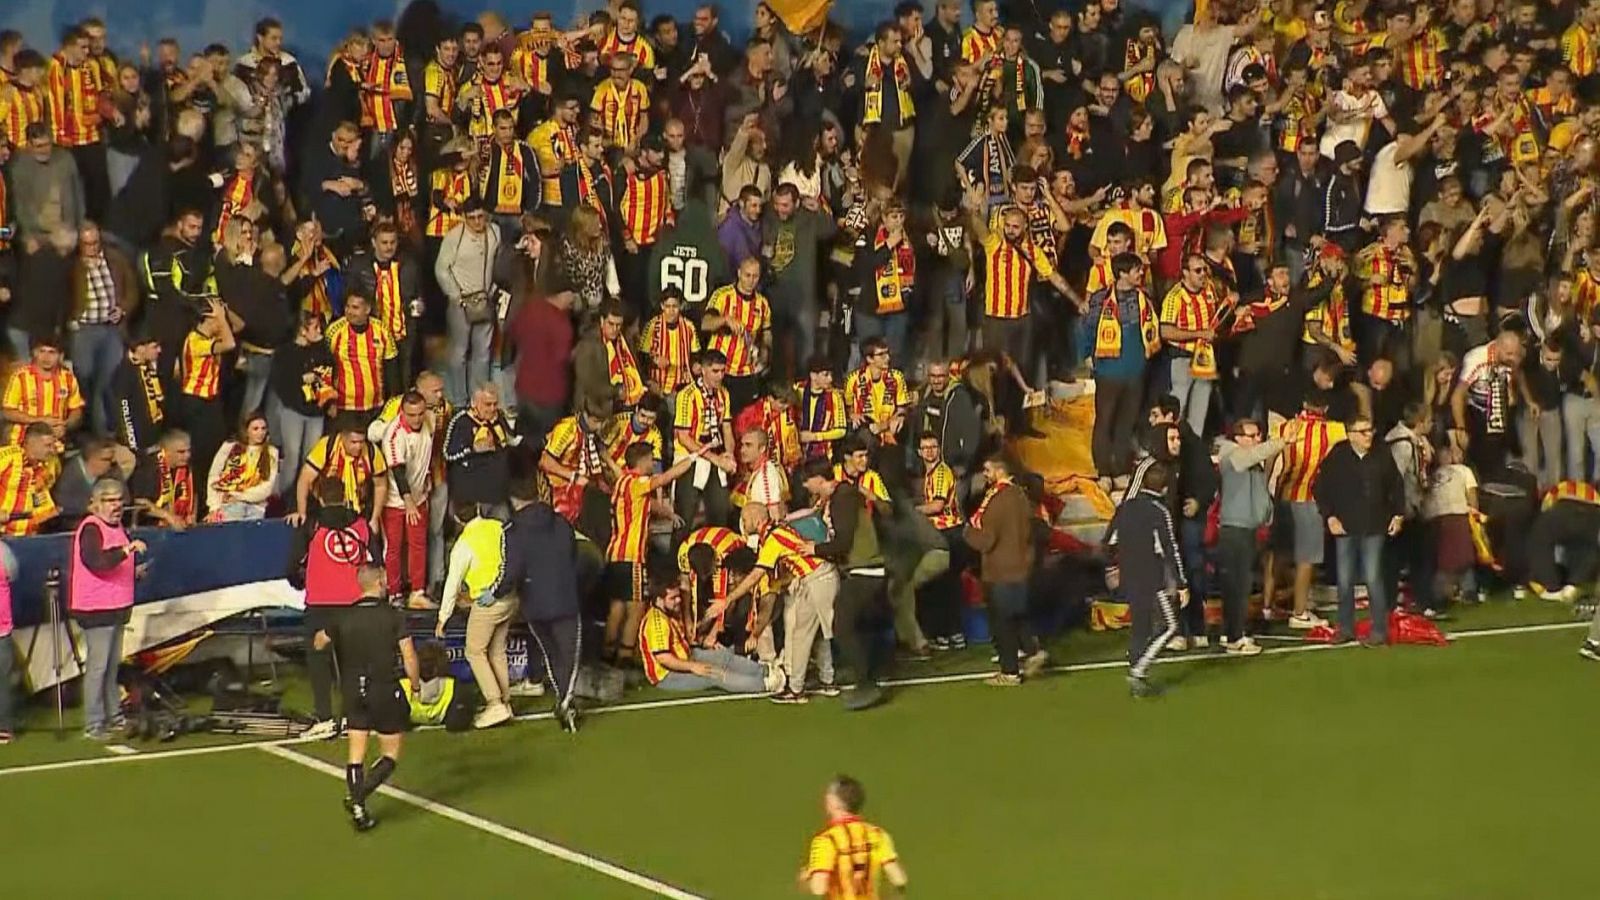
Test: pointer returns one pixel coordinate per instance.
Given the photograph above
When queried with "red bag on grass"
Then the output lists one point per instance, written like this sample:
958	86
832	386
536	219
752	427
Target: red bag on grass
1404	628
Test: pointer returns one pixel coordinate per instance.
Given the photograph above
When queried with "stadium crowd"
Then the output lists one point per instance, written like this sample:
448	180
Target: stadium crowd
770	314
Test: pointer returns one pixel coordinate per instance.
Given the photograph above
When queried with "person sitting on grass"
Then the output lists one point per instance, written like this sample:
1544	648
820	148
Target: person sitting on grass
671	664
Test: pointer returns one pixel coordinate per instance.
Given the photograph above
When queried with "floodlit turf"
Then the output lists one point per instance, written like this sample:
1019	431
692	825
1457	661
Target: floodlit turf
1397	773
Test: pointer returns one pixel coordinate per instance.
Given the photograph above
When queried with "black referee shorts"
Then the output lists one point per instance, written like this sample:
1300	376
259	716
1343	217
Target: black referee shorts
375	706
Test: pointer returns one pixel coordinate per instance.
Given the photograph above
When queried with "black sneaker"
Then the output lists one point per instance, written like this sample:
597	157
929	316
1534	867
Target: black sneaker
789	698
359	817
939	644
1590	650
1140	687
826	689
958	642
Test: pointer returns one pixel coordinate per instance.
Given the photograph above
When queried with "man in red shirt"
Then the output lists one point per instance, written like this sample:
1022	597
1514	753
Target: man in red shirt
542	333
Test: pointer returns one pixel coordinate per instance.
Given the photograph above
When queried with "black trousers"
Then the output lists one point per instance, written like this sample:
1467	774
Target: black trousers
686	501
1117	410
939	601
319	663
857	610
91	162
1236	549
207	427
1572	526
1155	621
560	641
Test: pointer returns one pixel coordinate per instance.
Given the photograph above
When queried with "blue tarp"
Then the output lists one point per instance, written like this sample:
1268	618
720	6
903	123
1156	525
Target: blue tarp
187	562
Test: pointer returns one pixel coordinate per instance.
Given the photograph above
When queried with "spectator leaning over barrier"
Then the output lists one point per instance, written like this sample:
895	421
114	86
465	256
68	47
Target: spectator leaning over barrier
477	564
102	571
346	457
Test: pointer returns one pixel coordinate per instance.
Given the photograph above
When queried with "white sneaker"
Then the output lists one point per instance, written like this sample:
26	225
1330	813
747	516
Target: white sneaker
492	715
1200	642
1244	646
773	679
1178	644
528	689
1565	595
1306	621
325	730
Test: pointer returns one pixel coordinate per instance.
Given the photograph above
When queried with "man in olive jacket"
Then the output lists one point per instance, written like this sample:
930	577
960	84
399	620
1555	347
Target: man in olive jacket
853	546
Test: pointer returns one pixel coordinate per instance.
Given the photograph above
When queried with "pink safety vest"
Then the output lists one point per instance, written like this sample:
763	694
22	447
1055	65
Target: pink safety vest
5	603
100	592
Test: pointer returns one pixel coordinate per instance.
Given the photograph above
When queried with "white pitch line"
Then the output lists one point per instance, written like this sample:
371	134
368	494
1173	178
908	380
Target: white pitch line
121	750
674	702
489	826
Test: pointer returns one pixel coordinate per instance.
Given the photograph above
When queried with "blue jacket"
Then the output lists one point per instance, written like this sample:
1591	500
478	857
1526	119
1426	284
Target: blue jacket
1127	366
541	564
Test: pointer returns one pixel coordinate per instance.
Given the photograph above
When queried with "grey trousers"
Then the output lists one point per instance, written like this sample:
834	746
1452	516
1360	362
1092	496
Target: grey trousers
101	701
1541	444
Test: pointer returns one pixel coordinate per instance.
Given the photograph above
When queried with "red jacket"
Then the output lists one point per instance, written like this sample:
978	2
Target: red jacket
1185	234
543	337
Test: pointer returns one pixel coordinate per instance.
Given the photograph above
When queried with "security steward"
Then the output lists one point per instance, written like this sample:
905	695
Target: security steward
366	635
323	560
541	563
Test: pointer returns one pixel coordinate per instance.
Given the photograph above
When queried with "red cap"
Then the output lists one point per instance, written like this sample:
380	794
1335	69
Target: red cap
1330	250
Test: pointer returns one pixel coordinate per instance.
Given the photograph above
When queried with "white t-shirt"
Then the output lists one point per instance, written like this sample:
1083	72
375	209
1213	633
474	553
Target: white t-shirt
1368	108
767	485
1479	375
1389	188
1447	495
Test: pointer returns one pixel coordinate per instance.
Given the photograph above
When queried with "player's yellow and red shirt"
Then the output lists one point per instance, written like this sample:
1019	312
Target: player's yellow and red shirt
630	519
20	107
660	633
570	446
1190	311
621	110
852	853
54	396
358	358
446	184
199	369
388	85
753	314
25	501
977	43
722	541
624	436
329	460
646	206
644	55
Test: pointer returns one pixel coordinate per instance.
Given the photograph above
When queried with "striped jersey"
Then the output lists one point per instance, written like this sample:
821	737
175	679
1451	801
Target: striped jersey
199	367
1009	268
703	414
779	553
1303	456
74	95
387	86
876	398
939	485
1578	50
555	146
25	501
630	519
621	111
754	316
645	207
54	396
1190	311
644	55
1570	490
329	460
1384	275
20	107
358	358
446	185
852	853
660	633
976	43
669	346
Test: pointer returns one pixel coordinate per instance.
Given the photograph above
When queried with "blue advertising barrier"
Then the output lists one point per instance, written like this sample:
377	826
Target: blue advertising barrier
181	562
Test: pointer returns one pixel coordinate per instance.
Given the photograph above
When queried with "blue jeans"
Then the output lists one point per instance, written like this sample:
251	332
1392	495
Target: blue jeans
257	367
466	354
296	435
892	328
1192	545
96	352
101	699
1008	621
734	674
7	659
1194	394
1369	549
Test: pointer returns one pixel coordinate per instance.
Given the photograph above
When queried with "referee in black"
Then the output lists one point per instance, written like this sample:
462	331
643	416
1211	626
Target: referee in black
366	637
